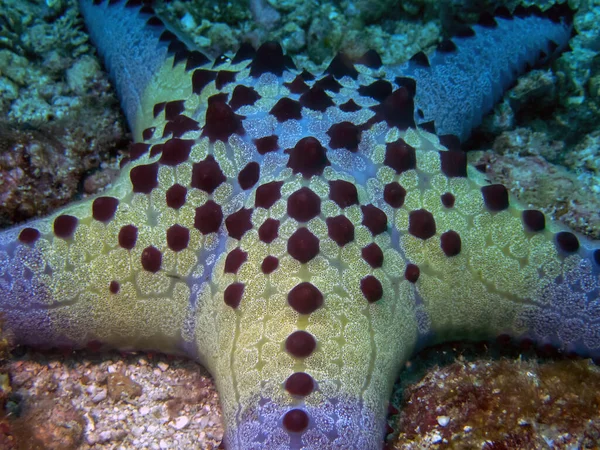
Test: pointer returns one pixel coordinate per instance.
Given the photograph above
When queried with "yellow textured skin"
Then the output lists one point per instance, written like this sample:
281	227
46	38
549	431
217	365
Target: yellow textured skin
502	279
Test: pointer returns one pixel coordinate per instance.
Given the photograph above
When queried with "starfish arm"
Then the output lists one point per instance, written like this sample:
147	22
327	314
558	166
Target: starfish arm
147	60
108	269
76	278
496	268
462	80
102	271
132	53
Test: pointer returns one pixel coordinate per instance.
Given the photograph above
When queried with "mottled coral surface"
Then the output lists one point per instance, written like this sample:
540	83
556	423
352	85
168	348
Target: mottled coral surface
59	118
478	399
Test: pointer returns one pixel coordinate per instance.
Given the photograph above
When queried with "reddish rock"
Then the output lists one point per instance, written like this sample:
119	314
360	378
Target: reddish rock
502	404
47	423
120	386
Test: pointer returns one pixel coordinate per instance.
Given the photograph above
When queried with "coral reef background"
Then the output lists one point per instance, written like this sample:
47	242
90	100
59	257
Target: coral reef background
60	121
61	137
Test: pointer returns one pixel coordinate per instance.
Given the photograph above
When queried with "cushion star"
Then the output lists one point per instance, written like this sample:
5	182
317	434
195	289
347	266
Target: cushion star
302	235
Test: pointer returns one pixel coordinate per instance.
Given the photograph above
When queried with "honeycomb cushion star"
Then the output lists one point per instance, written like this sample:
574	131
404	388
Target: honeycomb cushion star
302	235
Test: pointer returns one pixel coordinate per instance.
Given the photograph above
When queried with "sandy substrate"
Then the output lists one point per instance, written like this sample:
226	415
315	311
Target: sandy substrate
109	401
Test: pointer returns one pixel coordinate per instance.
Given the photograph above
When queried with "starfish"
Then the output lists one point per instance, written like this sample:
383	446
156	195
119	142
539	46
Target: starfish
303	235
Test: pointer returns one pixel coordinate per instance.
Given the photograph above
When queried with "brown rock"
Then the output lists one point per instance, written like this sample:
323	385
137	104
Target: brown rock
120	386
49	423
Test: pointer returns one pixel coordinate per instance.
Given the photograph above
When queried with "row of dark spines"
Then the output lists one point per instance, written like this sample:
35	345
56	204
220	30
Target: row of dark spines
196	59
176	47
556	13
268	58
179	50
128	3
